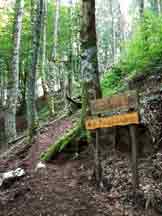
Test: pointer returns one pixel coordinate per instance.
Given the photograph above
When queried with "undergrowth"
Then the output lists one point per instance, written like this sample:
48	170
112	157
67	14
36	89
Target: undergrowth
141	54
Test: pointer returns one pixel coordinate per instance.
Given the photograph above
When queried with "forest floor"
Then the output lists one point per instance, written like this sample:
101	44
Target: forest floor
66	187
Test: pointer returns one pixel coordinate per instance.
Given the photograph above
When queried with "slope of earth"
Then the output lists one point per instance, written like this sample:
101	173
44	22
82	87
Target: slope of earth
27	156
66	187
60	190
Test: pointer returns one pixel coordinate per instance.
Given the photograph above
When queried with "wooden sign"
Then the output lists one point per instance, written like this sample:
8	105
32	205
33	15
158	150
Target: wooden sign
125	102
116	120
120	102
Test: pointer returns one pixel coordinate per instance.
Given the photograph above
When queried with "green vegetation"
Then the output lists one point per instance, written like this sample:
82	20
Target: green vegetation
141	54
61	143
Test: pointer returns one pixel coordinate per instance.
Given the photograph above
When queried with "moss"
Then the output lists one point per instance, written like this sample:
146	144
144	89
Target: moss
61	143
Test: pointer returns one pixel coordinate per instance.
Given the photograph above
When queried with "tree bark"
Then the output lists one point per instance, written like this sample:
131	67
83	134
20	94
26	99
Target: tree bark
113	44
134	164
89	69
155	6
52	62
89	61
56	30
12	95
141	8
68	81
31	91
43	47
160	6
3	83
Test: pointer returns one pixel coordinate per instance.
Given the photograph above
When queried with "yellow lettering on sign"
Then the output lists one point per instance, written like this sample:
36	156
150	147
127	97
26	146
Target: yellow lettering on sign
116	120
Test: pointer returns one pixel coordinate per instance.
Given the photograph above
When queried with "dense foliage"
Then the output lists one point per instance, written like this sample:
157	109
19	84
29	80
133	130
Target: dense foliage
141	54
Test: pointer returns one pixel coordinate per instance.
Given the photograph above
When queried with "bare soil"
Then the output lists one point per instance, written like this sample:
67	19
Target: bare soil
66	187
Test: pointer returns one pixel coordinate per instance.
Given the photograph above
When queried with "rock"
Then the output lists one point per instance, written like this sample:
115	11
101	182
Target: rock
159	156
8	177
19	172
40	165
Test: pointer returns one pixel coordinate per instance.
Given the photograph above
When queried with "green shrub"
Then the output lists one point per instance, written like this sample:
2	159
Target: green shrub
141	54
111	82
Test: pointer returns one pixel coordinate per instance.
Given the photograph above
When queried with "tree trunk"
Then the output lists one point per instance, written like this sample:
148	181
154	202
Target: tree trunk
141	8
89	61
56	31
68	81
89	68
3	83
113	45
23	76
52	63
31	91
119	29
43	47
10	116
155	6
160	6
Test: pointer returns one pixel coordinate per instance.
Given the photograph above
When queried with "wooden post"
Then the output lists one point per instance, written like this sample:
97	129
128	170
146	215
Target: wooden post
98	170
114	138
134	157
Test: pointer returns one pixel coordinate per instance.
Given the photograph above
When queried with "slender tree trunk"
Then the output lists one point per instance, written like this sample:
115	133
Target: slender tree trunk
119	30
43	47
141	8
56	31
31	91
23	76
155	6
3	83
10	116
160	6
52	62
113	45
68	82
70	50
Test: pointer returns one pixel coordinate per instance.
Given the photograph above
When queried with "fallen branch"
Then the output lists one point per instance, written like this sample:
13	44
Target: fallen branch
15	144
18	139
52	122
14	148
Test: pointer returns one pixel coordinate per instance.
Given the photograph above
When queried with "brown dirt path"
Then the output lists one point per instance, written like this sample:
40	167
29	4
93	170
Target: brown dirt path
65	187
60	190
28	158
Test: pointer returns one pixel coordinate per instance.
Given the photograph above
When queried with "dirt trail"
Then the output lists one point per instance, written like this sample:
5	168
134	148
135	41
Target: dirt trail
28	158
45	138
62	189
65	187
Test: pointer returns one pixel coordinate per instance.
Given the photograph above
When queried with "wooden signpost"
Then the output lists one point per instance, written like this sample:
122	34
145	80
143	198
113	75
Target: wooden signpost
109	107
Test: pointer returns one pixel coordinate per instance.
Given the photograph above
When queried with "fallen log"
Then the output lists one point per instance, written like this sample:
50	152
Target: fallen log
17	139
15	149
61	143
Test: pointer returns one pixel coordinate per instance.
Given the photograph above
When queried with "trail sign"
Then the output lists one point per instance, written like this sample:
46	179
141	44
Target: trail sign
115	120
120	102
127	104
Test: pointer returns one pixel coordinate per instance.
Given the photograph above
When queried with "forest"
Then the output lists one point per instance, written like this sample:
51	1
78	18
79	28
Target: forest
80	107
